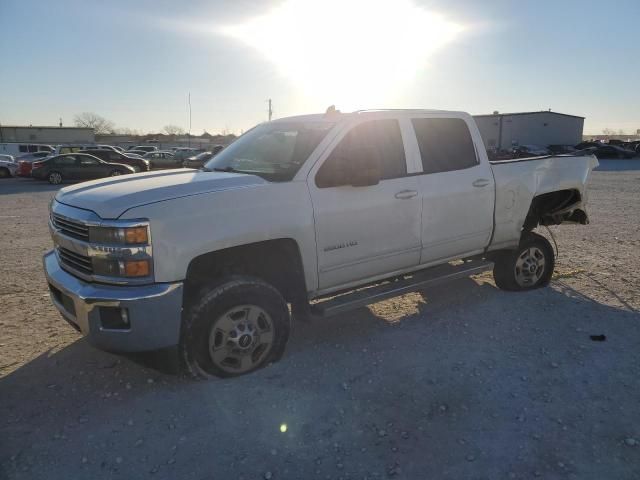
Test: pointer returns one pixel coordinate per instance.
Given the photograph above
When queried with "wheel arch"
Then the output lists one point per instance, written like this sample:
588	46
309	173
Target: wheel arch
554	208
277	262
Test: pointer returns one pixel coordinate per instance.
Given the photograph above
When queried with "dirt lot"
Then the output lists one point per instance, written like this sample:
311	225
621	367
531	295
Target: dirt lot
459	382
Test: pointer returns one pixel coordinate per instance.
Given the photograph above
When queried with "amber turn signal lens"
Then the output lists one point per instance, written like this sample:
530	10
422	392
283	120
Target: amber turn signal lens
136	235
136	268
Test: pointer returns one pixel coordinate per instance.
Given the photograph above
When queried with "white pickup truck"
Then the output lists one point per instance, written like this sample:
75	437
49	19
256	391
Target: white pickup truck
301	216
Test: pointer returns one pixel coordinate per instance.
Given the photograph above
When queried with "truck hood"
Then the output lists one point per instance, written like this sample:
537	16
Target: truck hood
110	198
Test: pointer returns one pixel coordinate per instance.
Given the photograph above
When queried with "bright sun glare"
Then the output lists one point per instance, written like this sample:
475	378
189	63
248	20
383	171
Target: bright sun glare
352	53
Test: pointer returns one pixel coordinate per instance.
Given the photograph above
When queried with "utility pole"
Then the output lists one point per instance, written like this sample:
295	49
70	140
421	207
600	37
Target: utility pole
270	110
189	134
60	122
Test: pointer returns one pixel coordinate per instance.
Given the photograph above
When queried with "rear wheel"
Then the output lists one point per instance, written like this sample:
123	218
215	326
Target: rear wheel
4	172
529	266
234	327
55	178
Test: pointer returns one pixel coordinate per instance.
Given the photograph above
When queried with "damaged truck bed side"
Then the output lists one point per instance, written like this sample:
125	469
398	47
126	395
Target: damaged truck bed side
300	216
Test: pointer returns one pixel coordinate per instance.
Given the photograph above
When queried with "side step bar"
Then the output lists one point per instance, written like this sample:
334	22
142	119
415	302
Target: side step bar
342	302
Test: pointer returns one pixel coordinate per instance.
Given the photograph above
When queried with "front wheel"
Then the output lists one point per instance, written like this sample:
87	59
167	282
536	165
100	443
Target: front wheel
529	266
234	327
55	178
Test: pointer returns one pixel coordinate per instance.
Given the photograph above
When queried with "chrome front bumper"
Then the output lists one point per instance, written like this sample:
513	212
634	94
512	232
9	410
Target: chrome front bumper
154	311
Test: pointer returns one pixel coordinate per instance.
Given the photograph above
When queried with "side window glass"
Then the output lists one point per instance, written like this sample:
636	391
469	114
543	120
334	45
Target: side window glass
33	148
373	142
445	144
22	148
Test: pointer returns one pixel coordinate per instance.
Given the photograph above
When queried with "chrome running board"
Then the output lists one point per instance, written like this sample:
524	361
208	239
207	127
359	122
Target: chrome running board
349	300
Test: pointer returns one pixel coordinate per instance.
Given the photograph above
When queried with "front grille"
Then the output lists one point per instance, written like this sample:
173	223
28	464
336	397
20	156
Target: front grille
75	261
71	228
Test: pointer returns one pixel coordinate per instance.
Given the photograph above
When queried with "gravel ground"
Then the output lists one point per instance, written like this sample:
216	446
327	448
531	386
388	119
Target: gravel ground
463	381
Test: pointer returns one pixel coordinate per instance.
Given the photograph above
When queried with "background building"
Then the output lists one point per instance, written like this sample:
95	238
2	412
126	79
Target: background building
502	131
48	135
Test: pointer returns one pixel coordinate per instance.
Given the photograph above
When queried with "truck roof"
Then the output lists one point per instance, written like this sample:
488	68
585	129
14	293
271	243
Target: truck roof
337	115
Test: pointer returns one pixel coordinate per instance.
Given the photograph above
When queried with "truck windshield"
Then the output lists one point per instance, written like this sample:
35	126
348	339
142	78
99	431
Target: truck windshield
274	151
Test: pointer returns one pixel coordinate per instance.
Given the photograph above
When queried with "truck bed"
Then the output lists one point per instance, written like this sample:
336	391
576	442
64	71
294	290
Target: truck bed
518	181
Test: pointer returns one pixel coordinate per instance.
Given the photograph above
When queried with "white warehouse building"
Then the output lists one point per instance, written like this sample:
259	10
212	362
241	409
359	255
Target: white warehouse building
45	134
503	131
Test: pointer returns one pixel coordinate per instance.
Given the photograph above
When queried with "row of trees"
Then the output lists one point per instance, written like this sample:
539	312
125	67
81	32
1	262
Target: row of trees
102	126
611	131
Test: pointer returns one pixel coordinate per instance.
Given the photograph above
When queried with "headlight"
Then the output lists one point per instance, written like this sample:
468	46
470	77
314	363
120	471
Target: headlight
121	252
119	235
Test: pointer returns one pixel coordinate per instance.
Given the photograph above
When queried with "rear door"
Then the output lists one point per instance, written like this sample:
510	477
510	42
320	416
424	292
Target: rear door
366	231
457	188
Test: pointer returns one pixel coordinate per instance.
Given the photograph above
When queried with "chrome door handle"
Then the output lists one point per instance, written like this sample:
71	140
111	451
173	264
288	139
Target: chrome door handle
481	182
406	194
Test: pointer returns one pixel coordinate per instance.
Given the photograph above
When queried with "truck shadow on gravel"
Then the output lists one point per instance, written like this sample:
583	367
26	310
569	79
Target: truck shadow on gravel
459	381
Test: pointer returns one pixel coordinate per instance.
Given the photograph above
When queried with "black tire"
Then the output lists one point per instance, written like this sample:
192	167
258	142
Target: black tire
55	178
220	303
508	271
115	173
4	173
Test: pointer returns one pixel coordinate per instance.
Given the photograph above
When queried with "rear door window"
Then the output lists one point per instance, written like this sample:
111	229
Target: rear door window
445	144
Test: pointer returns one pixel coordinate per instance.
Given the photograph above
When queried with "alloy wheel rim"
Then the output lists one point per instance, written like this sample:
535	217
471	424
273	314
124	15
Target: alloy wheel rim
55	178
530	266
241	338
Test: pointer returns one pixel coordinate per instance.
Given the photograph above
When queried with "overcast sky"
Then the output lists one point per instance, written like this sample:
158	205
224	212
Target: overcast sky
134	62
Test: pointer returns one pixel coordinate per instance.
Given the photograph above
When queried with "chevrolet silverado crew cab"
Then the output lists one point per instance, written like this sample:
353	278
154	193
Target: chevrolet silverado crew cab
301	216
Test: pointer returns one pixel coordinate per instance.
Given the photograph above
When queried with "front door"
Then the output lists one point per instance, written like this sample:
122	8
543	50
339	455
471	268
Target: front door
365	231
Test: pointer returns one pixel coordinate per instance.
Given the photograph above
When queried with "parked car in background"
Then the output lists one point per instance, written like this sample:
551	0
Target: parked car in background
107	147
562	149
523	151
588	144
183	153
198	161
8	166
76	166
137	153
69	148
144	148
160	159
16	149
138	164
612	151
24	162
